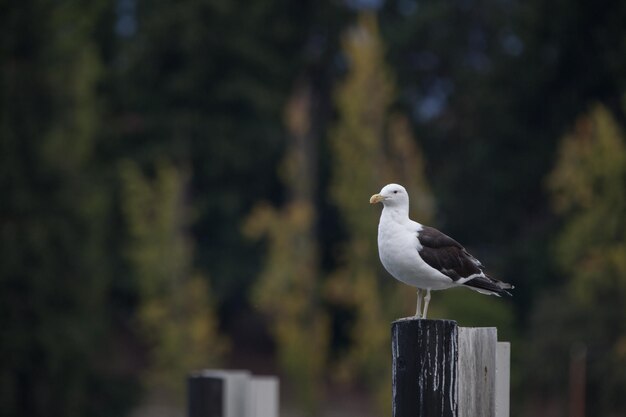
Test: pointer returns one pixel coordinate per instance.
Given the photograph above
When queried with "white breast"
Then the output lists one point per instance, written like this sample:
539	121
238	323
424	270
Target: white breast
398	248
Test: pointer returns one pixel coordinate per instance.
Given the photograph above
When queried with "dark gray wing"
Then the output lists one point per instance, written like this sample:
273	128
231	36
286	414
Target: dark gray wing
447	255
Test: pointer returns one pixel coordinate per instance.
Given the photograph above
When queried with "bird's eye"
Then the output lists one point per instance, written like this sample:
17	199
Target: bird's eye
395	191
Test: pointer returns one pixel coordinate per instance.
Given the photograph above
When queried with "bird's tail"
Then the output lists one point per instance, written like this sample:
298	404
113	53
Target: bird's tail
490	286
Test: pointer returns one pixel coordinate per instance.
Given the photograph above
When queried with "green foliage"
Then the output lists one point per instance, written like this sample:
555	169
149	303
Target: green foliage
174	314
88	283
205	82
588	185
54	279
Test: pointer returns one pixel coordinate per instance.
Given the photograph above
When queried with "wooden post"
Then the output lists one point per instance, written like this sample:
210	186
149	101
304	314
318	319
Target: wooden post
231	393
205	396
424	363
503	379
441	370
477	371
263	397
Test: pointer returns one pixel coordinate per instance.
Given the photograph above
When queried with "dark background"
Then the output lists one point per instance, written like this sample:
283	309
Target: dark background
138	140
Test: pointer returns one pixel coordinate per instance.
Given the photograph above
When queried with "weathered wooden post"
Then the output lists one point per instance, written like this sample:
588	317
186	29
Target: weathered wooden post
477	376
231	393
424	359
441	370
503	379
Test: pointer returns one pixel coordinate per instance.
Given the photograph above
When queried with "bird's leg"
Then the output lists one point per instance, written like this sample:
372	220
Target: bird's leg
418	310
426	302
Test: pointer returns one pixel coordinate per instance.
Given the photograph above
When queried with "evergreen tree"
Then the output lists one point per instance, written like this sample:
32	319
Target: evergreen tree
53	214
205	82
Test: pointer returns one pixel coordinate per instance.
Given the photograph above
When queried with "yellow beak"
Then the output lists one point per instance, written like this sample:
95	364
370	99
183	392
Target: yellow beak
376	198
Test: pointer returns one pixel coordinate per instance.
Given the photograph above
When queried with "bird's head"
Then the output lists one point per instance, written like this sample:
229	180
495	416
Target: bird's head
391	195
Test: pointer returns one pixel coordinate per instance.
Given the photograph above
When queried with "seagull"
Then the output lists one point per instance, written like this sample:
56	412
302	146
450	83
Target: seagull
424	257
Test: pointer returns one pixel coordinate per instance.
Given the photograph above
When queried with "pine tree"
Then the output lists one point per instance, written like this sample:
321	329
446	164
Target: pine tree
53	214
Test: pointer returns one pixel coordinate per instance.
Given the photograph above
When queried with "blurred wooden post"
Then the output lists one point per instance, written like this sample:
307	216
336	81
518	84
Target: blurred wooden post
263	397
424	358
441	370
231	393
205	396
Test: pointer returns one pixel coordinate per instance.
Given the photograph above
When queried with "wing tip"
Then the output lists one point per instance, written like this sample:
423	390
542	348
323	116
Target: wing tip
490	286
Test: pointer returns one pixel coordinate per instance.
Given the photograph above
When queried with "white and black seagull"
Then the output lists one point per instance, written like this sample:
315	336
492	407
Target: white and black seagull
424	257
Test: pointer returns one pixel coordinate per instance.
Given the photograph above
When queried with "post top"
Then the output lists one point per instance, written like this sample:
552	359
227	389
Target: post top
424	321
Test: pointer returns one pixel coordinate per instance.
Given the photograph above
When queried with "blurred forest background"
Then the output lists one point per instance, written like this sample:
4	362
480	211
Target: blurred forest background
185	184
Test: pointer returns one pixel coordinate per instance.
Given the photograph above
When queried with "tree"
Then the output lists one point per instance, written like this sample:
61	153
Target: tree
205	83
475	78
589	192
288	289
369	148
588	186
55	206
175	314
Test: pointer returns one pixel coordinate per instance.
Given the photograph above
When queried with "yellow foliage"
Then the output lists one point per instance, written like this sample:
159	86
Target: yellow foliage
370	148
405	163
175	314
588	186
287	290
591	160
589	189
